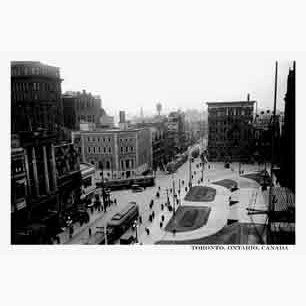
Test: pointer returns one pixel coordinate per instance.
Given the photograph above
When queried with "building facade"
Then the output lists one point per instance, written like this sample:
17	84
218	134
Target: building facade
230	135
51	168
36	100
88	180
176	134
287	165
118	153
159	142
80	107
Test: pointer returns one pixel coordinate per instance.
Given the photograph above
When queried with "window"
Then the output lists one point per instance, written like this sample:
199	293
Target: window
109	150
87	182
20	190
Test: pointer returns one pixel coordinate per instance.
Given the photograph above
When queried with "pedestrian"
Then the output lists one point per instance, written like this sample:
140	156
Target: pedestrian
174	231
186	189
70	231
147	231
57	238
183	182
153	214
158	187
163	218
162	206
160	224
89	232
140	220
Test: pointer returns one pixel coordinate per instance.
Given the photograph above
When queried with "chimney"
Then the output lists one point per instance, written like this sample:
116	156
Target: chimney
248	98
122	116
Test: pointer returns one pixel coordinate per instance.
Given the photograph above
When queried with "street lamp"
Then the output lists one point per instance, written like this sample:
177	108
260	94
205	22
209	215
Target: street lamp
135	226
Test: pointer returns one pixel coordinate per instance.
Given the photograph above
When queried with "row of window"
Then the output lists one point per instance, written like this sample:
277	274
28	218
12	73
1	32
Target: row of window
35	86
127	149
98	139
126	139
34	96
90	118
18	71
99	150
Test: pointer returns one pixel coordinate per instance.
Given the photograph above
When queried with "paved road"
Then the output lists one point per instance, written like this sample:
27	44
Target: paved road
216	171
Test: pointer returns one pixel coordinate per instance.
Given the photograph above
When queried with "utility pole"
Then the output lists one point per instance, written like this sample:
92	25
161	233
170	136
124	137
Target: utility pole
190	174
272	153
173	193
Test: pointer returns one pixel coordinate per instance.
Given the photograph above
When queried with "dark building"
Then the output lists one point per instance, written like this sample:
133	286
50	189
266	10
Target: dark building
50	169
287	166
36	100
80	107
230	135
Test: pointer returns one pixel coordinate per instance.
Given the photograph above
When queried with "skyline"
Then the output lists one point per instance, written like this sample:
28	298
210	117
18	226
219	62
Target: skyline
130	81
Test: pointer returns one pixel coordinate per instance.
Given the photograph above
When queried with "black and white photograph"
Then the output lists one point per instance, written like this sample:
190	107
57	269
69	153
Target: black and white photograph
153	149
152	153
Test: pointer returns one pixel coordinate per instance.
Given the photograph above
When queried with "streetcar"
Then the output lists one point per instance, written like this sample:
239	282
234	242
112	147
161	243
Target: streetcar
124	219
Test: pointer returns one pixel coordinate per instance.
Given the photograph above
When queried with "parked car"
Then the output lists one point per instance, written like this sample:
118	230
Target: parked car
137	188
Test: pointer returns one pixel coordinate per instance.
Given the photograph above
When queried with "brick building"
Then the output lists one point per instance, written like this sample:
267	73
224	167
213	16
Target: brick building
80	107
36	100
230	135
120	153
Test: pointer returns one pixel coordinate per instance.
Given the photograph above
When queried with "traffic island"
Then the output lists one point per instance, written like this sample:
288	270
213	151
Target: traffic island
229	184
188	218
201	194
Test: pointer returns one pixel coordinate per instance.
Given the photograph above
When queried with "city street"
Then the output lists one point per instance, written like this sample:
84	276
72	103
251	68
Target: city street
248	195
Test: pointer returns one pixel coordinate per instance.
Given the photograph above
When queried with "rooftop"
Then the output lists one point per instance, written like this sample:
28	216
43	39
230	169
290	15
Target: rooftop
230	103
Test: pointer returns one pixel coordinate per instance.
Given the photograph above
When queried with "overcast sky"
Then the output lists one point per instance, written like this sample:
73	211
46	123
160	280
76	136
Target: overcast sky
131	80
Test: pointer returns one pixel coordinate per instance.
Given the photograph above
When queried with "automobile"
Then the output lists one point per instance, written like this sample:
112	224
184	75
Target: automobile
137	188
127	238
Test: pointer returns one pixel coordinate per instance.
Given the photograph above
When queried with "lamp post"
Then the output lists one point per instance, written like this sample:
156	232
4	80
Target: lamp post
173	193
105	234
135	226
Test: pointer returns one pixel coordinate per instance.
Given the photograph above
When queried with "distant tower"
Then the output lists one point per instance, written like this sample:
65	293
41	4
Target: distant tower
141	112
158	108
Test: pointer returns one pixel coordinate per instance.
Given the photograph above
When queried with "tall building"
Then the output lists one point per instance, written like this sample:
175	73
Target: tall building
287	166
230	134
176	134
51	166
118	153
36	100
159	142
80	107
